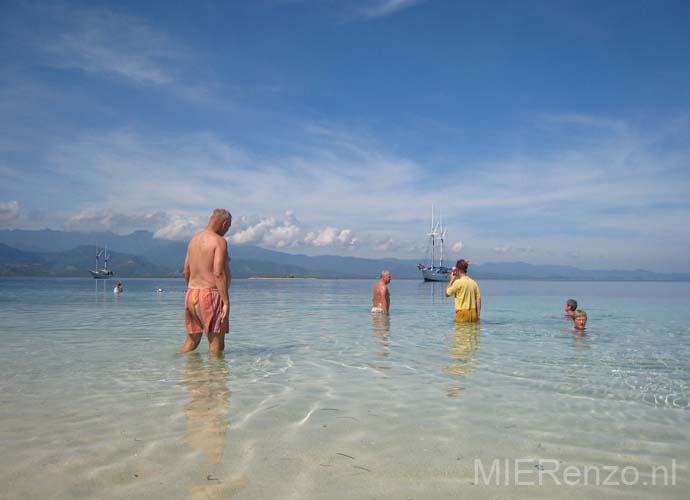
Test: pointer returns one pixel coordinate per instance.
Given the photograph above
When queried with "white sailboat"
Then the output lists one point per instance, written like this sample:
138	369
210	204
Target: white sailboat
433	272
105	273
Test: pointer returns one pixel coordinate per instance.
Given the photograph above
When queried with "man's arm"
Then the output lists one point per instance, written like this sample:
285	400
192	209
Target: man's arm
479	307
387	301
221	274
449	292
186	270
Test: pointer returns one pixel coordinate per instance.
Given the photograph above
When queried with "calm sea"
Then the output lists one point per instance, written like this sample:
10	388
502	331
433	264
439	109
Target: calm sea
315	398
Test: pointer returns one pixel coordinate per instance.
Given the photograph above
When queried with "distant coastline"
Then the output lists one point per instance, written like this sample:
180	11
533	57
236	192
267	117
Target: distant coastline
347	278
65	254
277	278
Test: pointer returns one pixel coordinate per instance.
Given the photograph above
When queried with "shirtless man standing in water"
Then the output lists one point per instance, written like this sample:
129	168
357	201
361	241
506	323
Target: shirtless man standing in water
381	297
207	273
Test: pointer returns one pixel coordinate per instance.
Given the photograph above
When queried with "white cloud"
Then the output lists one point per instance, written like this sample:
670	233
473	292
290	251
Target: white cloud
458	246
201	171
513	250
163	225
330	236
288	232
9	212
120	223
385	246
180	228
380	8
350	180
267	231
353	193
99	40
585	120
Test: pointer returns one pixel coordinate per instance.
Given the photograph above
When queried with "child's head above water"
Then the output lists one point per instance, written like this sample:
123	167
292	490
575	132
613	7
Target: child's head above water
580	319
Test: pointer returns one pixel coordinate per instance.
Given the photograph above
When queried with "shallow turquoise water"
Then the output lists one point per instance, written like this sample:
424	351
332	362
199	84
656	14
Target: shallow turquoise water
316	398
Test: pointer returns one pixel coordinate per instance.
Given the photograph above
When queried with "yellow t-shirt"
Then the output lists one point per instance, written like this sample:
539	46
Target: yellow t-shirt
466	293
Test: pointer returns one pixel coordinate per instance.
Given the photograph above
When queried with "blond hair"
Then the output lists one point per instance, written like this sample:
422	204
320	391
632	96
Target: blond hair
580	313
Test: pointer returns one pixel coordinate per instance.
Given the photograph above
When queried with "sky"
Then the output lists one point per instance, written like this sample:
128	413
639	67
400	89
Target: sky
551	132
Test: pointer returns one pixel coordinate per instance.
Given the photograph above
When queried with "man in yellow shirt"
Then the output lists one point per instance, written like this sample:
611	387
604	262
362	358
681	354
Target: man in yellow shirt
468	300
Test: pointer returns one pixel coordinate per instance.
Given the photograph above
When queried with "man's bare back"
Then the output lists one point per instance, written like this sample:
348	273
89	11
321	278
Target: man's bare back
207	273
206	254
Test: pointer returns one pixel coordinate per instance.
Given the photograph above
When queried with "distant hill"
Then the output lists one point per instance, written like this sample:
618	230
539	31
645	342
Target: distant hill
48	240
62	253
75	262
169	260
522	270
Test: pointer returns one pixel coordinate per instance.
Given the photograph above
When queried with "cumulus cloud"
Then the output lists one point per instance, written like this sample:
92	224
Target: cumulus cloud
180	228
458	246
282	236
162	224
287	232
9	212
267	231
330	236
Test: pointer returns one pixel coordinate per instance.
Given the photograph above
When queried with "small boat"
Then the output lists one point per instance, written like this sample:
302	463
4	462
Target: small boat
433	272
105	273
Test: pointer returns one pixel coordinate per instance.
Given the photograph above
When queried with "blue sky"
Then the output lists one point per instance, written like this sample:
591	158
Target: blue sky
546	132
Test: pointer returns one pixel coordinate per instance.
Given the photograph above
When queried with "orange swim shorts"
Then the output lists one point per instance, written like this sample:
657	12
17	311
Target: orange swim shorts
202	311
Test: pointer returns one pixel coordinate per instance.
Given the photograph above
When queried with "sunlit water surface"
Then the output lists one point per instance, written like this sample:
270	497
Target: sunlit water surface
316	398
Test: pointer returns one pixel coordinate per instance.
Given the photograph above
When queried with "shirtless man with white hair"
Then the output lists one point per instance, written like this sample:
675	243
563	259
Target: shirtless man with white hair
381	297
207	273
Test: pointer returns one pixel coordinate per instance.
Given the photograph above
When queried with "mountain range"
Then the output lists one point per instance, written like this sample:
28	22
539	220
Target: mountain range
139	254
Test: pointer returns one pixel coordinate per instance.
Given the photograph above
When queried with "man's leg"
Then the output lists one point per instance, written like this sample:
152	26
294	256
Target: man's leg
192	342
216	343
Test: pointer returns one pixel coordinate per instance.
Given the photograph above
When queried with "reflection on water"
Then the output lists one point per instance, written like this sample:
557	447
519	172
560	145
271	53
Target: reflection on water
462	348
580	341
209	399
434	290
100	290
381	328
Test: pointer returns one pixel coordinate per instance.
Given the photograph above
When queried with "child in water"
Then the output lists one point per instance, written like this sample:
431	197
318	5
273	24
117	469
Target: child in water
580	319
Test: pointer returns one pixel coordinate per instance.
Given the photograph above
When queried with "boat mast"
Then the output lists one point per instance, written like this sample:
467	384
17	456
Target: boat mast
433	236
106	257
443	235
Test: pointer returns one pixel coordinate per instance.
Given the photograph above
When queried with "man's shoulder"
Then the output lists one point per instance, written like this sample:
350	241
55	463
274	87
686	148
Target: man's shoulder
210	236
198	236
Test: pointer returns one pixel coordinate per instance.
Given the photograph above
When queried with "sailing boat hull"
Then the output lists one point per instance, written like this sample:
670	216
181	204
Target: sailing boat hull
433	272
436	274
102	275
